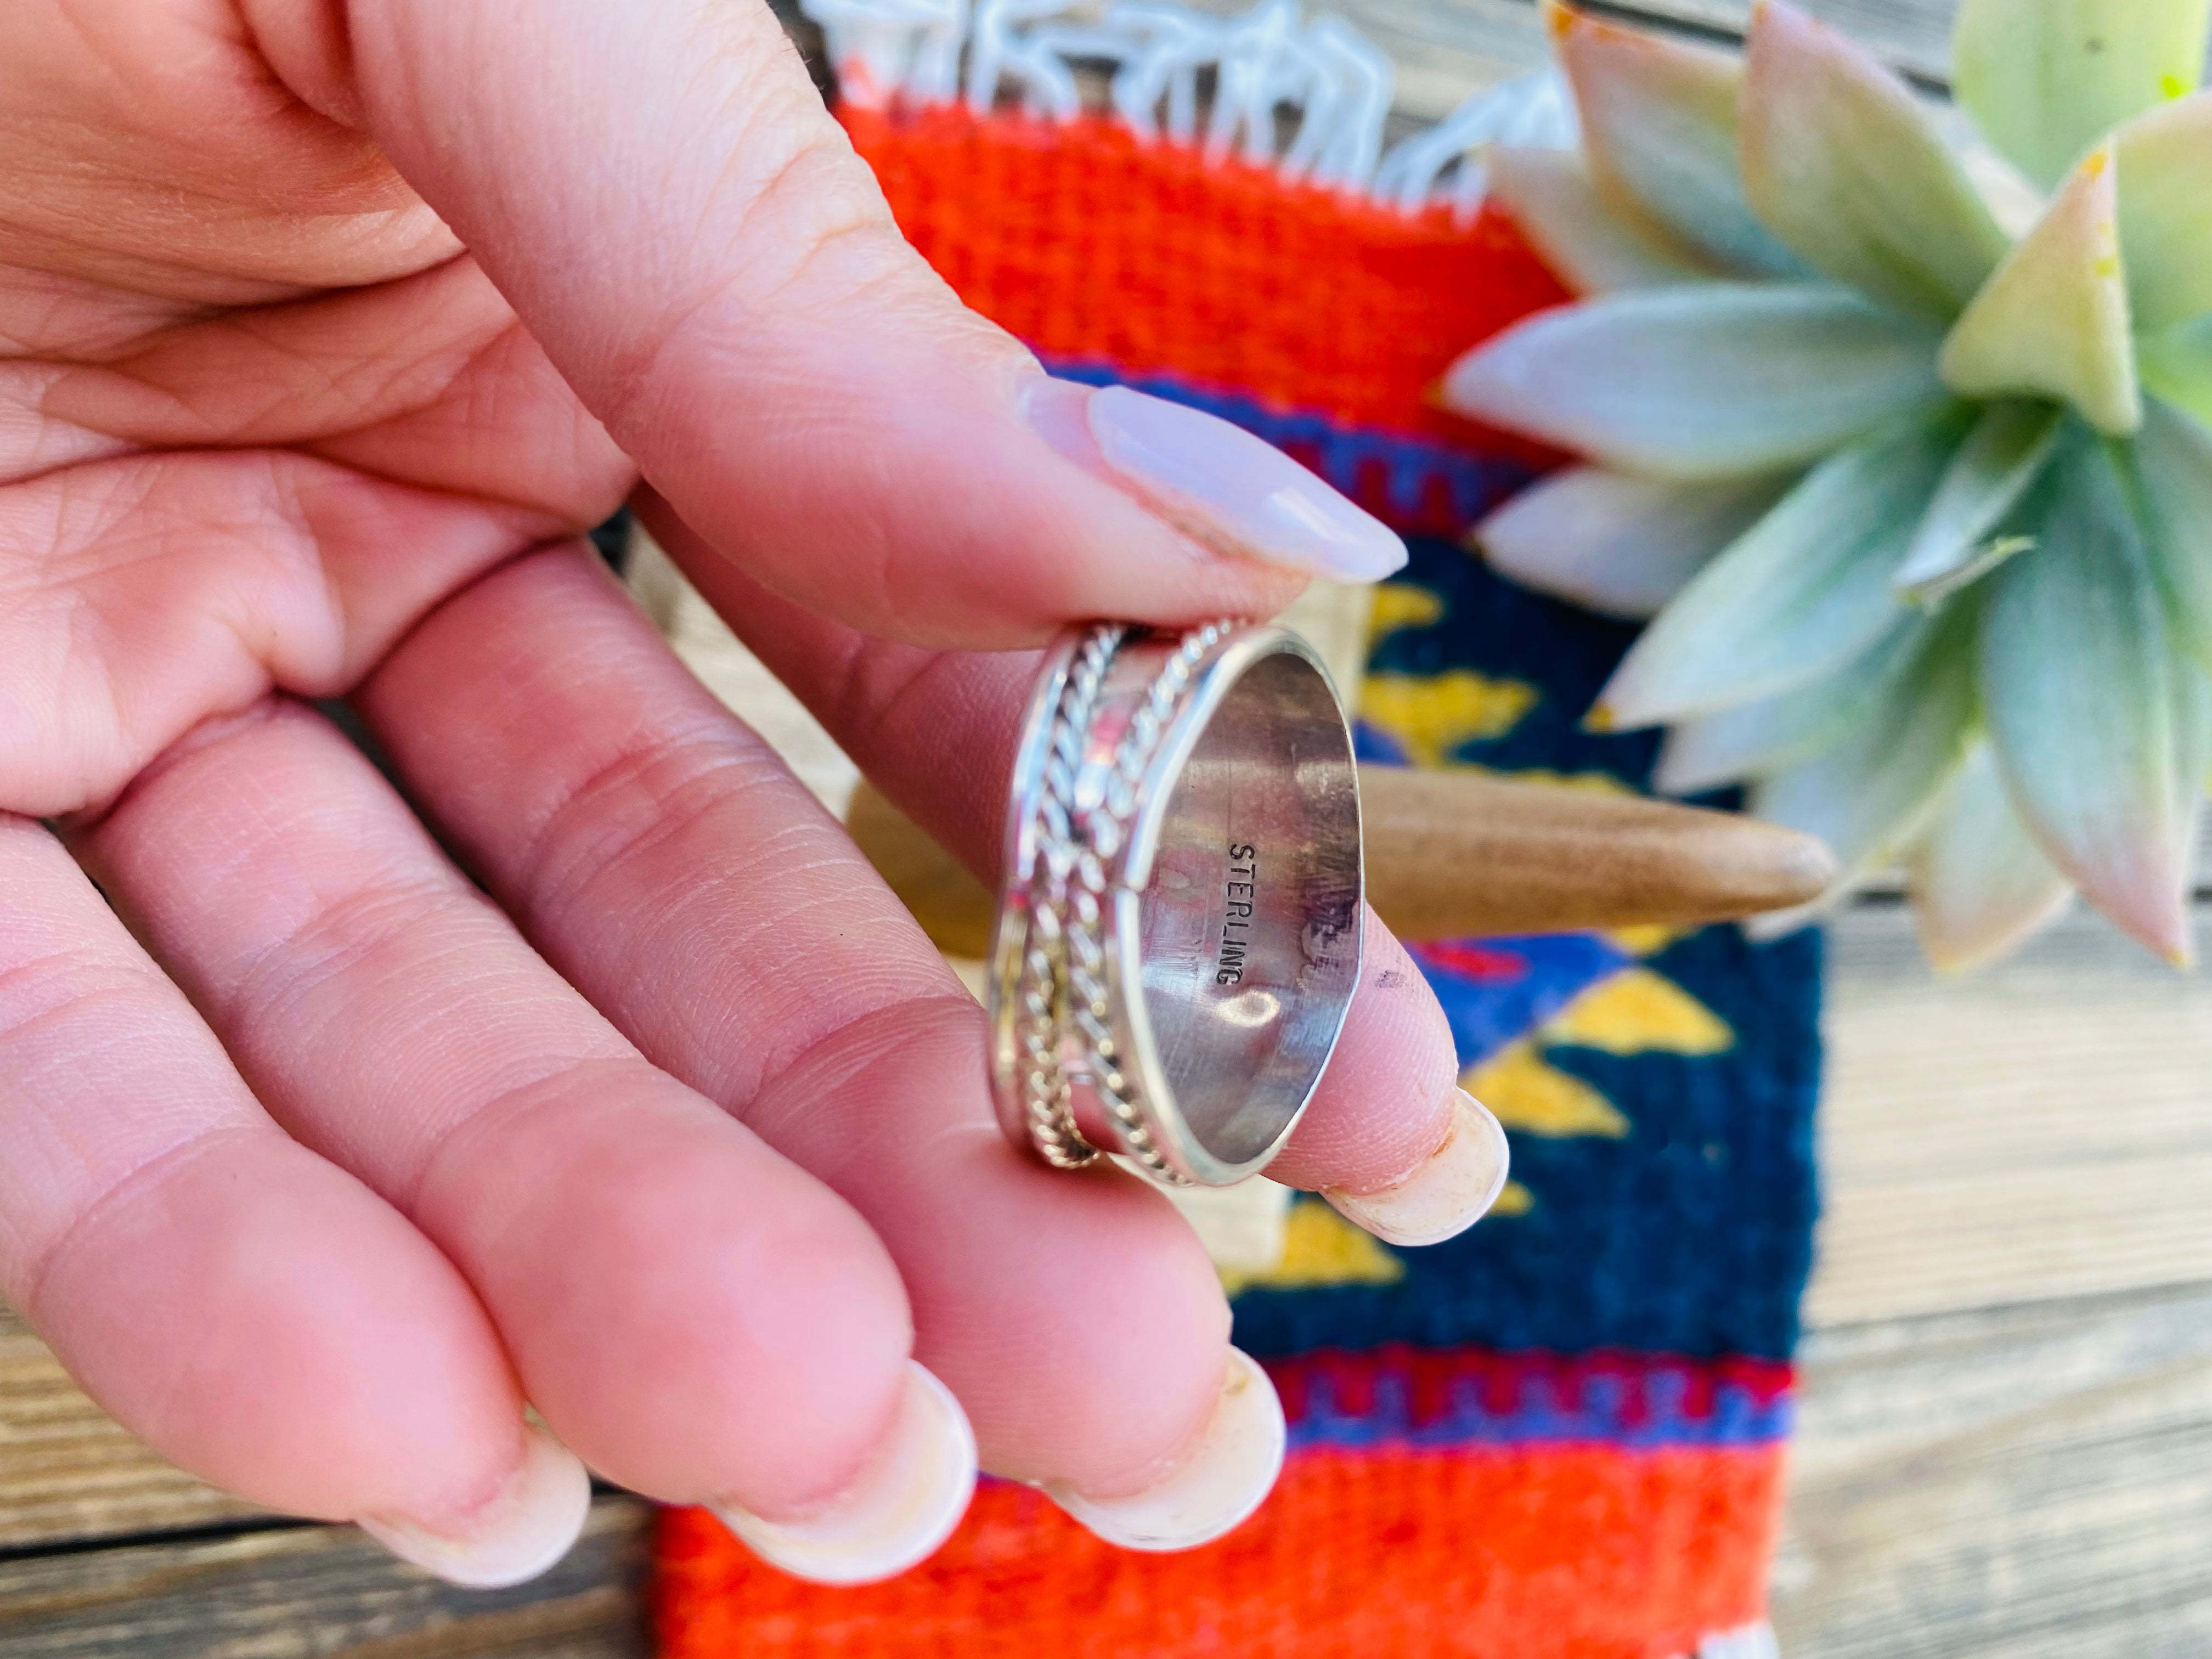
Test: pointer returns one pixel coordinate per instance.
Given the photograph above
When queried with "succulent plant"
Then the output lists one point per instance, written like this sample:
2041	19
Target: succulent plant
1905	444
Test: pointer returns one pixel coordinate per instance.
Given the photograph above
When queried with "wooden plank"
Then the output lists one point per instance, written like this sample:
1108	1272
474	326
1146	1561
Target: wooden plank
67	1472
2041	1129
1442	50
1913	35
2024	1484
322	1593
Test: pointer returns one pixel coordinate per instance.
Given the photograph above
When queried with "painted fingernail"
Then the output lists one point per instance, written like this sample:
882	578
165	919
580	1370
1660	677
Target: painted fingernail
1216	482
1215	1485
518	1535
1447	1193
903	1505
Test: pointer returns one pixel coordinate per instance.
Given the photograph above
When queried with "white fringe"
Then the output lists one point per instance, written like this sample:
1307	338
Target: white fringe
1751	1642
1265	66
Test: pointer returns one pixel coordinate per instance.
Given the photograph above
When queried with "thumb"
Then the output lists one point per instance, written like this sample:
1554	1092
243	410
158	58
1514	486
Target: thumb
659	192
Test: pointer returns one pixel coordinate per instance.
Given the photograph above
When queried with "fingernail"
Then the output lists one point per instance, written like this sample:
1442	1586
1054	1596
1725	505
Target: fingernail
1216	482
515	1536
903	1505
1448	1192
1212	1488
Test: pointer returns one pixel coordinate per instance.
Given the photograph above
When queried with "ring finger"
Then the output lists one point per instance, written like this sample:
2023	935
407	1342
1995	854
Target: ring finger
695	1316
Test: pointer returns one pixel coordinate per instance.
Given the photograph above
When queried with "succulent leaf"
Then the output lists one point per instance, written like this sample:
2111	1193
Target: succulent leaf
2192	774
1980	884
1840	163
1714	381
2052	321
1864	795
2091	709
1620	545
2045	79
1659	126
1775	733
1976	631
1596	250
2000	458
1802	592
2164	161
2176	366
2169	467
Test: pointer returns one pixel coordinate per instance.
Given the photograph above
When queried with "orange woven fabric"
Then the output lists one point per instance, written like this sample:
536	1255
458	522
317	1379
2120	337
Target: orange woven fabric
1055	232
1382	1552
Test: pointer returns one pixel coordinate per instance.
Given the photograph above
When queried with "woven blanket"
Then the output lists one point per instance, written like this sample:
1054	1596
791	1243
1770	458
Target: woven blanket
1560	1436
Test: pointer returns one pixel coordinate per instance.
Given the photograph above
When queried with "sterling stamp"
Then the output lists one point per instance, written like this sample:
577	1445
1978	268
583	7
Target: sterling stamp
1179	926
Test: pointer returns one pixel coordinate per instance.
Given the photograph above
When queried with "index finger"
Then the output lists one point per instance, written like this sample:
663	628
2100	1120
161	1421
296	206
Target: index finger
659	192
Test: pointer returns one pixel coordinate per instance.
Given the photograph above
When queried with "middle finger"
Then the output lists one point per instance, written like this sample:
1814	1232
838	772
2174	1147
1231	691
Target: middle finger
695	1316
664	860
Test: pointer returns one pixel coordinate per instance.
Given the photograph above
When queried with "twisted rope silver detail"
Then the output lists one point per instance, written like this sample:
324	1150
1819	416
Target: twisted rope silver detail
1041	995
1065	985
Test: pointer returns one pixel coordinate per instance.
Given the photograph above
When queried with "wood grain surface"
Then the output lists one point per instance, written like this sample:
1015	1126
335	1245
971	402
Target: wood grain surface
2022	1483
67	1472
1913	35
2040	1129
1442	50
321	1592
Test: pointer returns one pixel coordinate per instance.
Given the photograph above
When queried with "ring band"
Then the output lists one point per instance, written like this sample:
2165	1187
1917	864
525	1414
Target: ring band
1178	933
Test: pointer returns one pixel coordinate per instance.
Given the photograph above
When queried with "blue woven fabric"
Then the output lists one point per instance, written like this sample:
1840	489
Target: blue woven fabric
1691	1234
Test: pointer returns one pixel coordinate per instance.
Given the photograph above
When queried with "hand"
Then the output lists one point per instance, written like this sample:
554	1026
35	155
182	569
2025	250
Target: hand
324	330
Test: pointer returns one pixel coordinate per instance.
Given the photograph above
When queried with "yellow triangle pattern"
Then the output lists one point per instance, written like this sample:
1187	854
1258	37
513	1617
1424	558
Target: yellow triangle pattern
1515	1200
1646	939
1431	715
1537	1099
1633	1011
1402	604
1320	1247
1637	1011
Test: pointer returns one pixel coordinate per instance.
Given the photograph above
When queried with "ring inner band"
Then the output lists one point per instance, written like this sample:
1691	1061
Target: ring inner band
1249	936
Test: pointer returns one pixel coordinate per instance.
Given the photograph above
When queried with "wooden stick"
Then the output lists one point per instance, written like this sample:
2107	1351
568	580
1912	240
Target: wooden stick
1456	853
1450	853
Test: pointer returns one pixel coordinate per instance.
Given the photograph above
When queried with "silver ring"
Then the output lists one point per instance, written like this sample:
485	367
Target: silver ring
1178	933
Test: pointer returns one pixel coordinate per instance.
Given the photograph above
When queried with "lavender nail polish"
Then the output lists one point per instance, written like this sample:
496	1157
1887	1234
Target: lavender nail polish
1229	489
